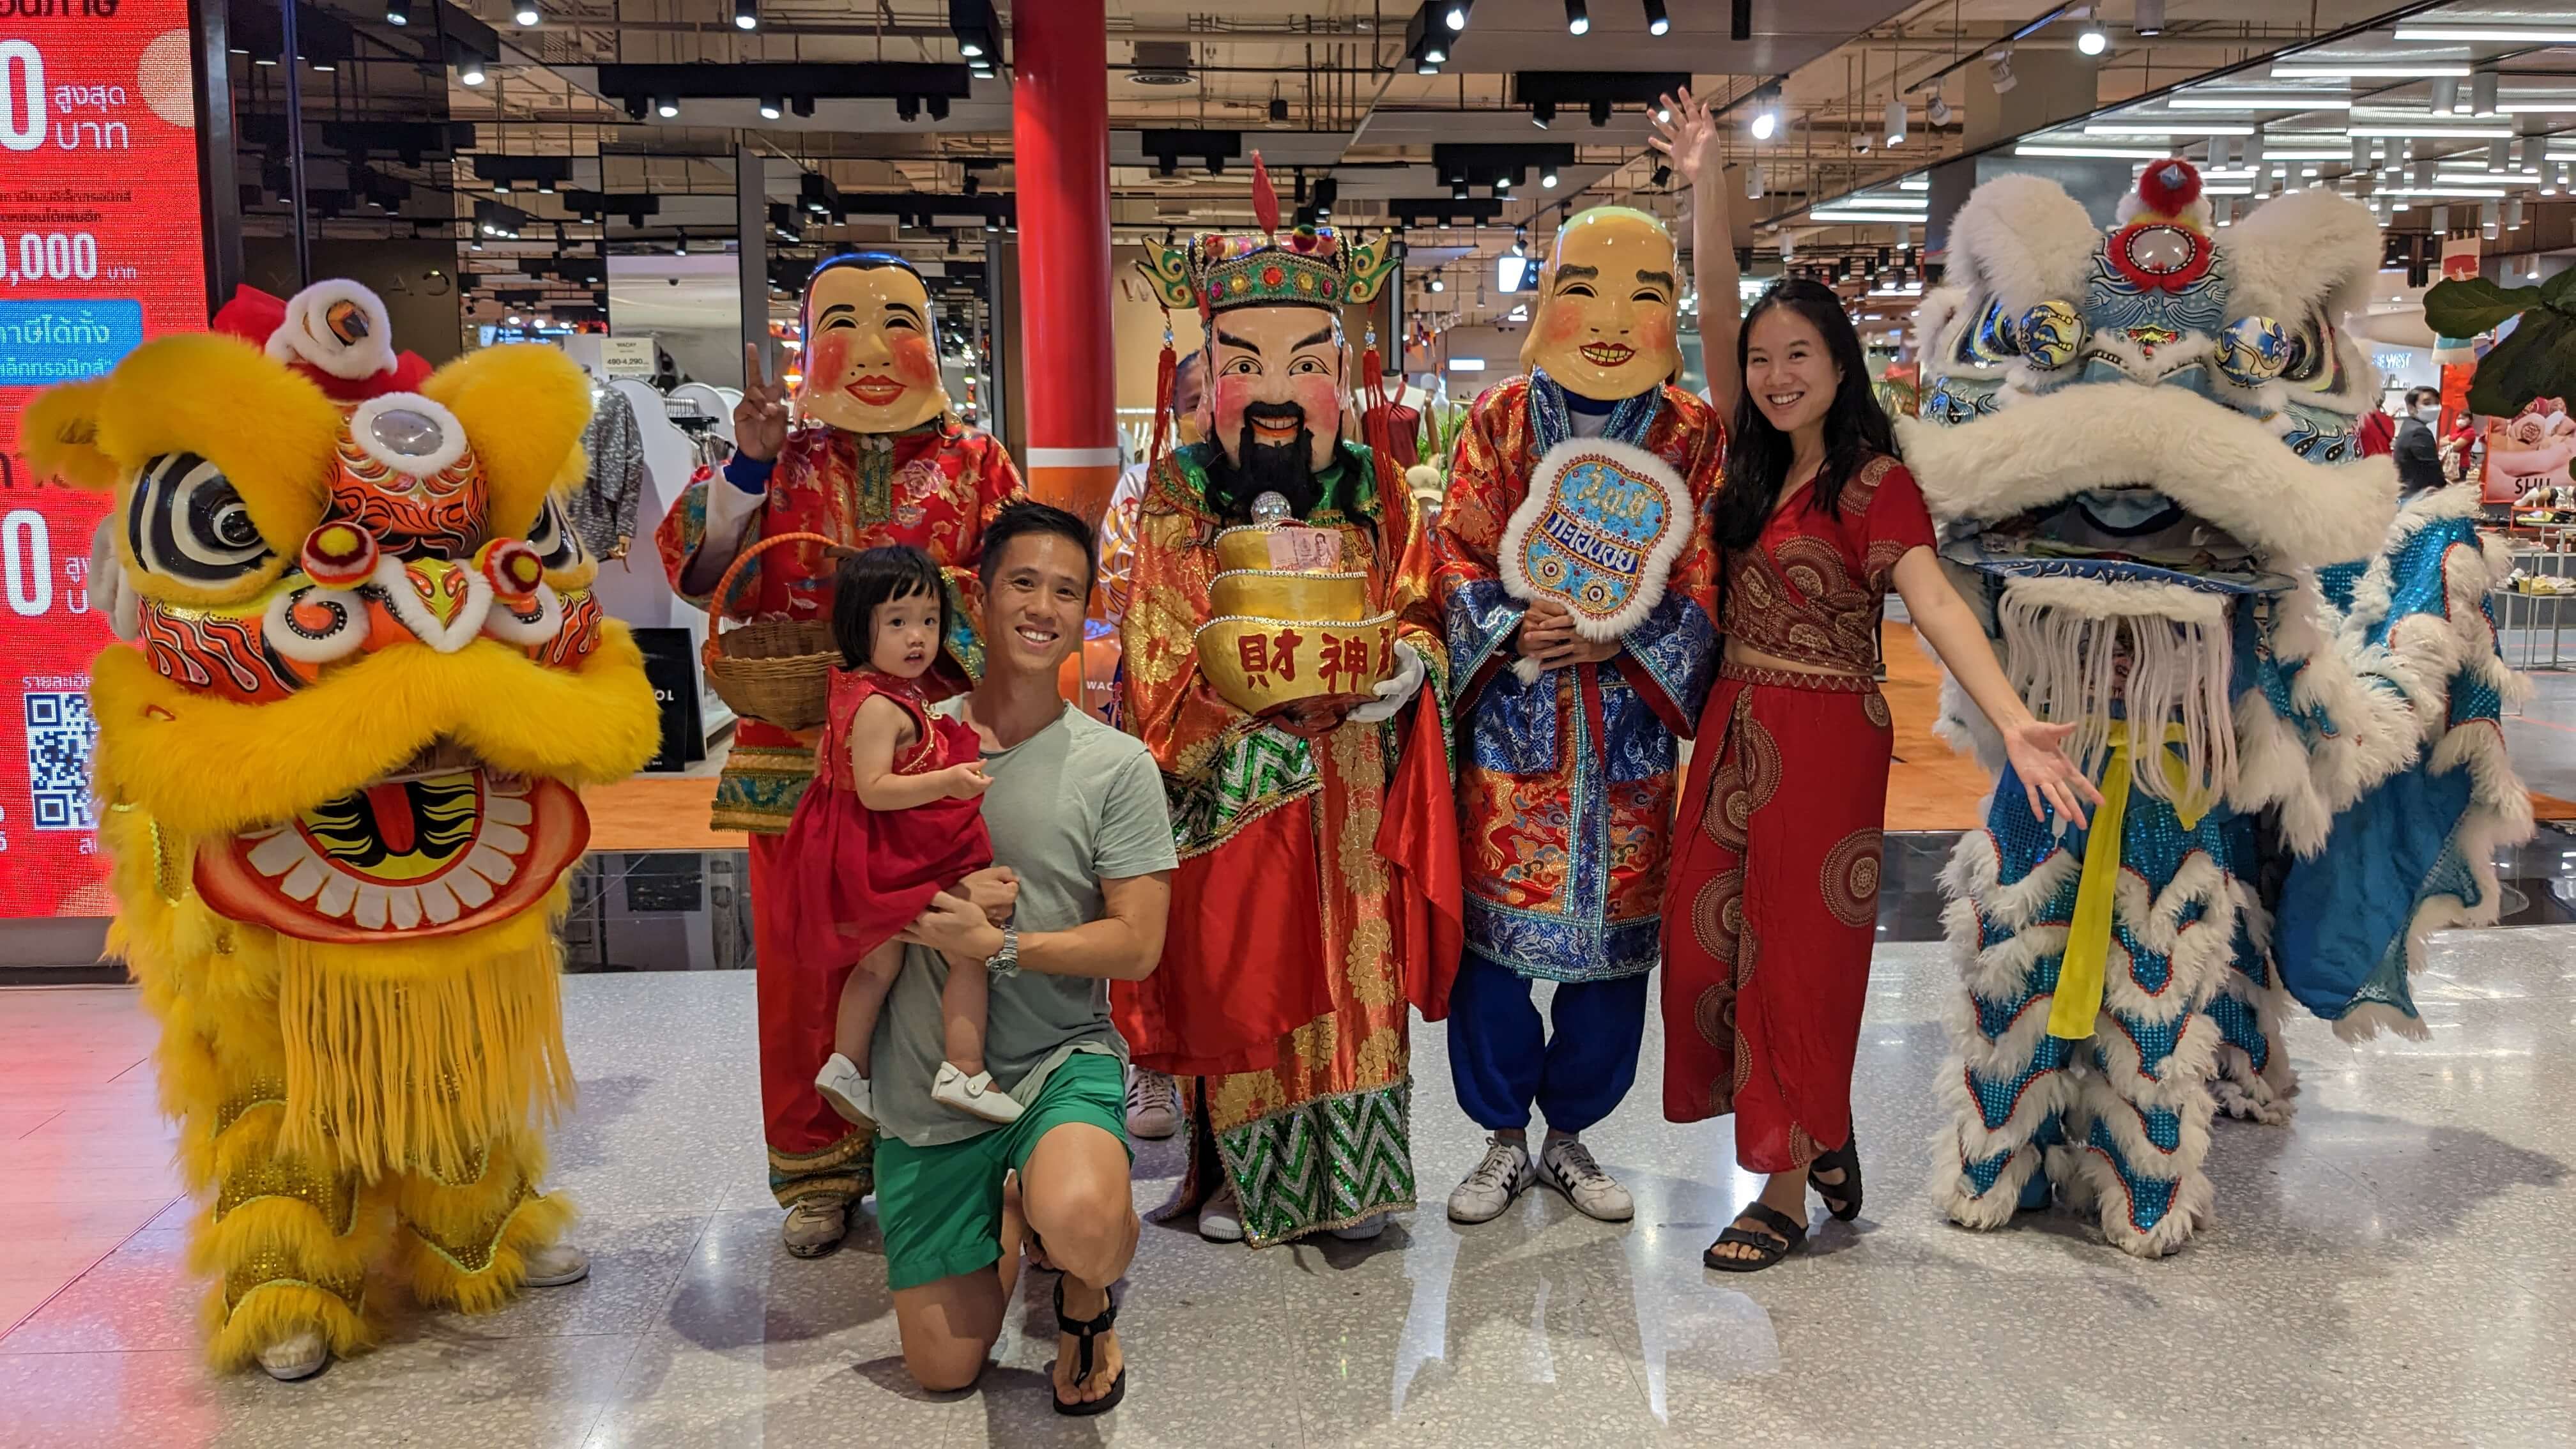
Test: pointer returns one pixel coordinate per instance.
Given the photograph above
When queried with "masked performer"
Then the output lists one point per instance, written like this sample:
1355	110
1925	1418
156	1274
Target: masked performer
1570	573
876	459
1266	670
361	676
2144	451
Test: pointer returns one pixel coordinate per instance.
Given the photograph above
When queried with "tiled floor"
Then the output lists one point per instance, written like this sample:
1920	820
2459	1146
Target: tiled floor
2395	1268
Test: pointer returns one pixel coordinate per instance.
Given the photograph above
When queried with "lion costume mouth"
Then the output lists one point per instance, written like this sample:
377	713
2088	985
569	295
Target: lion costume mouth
441	846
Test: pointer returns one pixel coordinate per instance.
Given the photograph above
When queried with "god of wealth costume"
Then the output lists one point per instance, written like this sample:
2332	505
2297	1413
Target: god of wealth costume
1250	634
1585	483
877	459
2143	447
361	675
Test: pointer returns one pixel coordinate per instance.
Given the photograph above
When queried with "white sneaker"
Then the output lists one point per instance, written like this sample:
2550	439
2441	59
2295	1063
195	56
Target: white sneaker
976	1095
300	1355
1503	1175
1153	1105
1362	1231
555	1265
847	1091
1566	1165
815	1227
1221	1217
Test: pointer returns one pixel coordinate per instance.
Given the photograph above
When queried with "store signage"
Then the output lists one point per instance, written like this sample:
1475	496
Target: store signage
626	357
99	249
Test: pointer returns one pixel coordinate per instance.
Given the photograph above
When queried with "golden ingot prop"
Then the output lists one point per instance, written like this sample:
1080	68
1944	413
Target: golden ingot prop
1290	626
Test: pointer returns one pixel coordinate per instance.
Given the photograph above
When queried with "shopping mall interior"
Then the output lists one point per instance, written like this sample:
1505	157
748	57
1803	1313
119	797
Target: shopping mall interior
274	1115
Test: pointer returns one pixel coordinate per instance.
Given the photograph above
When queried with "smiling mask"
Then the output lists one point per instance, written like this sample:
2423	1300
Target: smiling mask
1605	327
871	356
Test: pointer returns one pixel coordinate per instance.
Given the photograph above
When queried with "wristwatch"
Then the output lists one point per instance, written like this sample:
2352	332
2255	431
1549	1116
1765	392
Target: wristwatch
1006	962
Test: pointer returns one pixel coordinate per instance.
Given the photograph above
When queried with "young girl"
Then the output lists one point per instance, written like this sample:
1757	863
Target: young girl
890	821
1772	906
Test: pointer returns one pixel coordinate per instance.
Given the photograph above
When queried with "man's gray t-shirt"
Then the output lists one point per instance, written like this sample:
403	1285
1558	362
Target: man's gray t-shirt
1073	805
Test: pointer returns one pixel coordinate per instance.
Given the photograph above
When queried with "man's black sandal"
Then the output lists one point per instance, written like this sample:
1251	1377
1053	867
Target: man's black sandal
1842	1198
1086	1333
1786	1233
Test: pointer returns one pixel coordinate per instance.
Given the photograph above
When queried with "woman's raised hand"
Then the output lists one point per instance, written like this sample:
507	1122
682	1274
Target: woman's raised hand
1687	136
2038	755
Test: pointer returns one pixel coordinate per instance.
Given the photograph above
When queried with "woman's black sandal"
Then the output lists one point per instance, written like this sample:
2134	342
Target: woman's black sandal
1842	1198
1785	1234
1087	1332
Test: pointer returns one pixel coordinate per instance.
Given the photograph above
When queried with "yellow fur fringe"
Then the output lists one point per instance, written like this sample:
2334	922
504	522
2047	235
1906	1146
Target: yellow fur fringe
439	1280
274	1312
412	1057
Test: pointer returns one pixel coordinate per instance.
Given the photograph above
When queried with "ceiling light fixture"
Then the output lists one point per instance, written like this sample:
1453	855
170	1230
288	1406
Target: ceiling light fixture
1600	113
2488	30
746	14
526	13
470	70
2445	94
1547	179
666	105
2092	39
1578	21
1542	114
1455	17
2268	101
398	12
1657	22
2482	94
2096	153
2435	133
2150	18
1896	121
1937	109
2346	70
772	107
1753	183
1765	123
1999	70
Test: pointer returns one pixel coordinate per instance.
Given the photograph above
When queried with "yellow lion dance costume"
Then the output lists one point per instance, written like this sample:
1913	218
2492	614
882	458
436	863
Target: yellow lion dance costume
361	675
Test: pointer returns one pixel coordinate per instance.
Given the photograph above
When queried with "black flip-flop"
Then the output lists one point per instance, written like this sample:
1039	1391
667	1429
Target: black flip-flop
1783	1239
1086	1332
1842	1198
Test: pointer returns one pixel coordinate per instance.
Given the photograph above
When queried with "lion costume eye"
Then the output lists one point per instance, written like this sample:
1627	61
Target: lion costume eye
557	546
186	521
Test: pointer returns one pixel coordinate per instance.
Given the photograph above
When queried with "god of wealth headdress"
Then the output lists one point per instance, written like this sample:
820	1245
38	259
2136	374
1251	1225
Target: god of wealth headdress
1311	266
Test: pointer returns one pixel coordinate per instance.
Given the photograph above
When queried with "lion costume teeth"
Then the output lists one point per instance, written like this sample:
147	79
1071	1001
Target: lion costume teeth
339	756
2141	444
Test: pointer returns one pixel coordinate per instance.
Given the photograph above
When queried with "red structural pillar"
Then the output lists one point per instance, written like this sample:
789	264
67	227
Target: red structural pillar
1060	132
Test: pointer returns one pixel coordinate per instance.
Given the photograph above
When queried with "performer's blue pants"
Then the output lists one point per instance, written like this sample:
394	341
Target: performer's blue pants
1501	1058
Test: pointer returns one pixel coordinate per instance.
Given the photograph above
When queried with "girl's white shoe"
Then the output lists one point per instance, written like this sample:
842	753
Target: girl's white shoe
975	1095
847	1091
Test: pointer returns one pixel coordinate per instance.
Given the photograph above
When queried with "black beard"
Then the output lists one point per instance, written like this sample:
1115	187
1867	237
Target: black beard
1286	469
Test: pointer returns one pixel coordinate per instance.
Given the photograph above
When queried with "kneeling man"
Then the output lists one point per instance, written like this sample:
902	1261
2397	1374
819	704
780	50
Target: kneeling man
1078	824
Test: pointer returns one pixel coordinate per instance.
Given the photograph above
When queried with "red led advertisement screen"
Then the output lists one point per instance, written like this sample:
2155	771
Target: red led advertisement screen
99	249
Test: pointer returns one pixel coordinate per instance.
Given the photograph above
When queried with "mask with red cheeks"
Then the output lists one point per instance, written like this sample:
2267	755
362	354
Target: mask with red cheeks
1605	326
872	360
1277	370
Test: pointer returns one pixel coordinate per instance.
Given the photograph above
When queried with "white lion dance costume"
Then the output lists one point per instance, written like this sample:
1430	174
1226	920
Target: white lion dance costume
2141	447
361	675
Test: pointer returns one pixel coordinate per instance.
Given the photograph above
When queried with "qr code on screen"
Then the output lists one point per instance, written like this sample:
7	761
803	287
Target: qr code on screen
60	736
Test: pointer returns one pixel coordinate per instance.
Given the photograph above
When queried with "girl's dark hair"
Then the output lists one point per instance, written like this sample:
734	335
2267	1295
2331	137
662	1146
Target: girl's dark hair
865	580
1757	454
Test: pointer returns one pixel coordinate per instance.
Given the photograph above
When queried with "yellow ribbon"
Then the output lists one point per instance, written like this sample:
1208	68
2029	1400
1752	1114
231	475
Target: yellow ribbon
2088	936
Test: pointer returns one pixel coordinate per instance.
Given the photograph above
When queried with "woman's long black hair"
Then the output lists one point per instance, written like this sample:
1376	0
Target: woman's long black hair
864	580
1757	454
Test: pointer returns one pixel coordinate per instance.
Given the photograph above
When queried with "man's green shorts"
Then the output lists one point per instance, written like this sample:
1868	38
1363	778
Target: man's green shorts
940	1208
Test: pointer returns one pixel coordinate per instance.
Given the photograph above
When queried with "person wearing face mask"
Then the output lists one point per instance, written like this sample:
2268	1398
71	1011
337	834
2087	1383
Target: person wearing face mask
1770	914
1571	722
1265	566
2419	452
873	456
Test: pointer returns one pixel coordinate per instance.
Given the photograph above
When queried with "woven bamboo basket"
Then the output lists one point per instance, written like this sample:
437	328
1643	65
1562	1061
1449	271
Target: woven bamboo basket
777	671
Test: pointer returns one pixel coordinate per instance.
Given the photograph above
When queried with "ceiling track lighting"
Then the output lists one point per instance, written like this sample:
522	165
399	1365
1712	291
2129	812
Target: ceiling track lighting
398	12
1753	183
1600	112
2090	38
1578	20
1765	121
2482	93
1657	21
1547	179
1663	176
772	107
1454	15
746	14
666	105
1739	20
1999	71
526	13
1542	114
2446	95
2150	18
978	30
1937	109
1896	121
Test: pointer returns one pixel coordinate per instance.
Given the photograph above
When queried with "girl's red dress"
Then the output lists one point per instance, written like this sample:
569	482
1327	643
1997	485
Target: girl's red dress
1771	910
856	877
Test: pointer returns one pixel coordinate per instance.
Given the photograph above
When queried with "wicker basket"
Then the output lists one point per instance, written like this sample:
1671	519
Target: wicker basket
777	671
